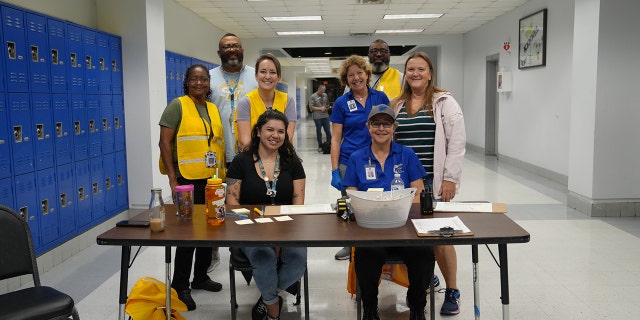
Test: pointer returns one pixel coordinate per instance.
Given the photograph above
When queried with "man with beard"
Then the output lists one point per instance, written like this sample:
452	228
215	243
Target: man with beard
384	78
229	82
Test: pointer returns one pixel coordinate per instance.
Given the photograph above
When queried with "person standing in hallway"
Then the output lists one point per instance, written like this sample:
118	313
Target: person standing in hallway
191	151
430	121
268	73
348	121
229	81
319	104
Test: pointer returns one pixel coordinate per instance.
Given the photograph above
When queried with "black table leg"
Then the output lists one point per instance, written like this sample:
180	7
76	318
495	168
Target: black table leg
124	277
476	282
504	280
167	260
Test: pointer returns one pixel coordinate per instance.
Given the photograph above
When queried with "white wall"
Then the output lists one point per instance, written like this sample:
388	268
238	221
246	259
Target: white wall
82	12
534	117
617	104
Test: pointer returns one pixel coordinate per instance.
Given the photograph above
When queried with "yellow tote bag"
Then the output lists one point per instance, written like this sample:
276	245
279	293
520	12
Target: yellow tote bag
147	301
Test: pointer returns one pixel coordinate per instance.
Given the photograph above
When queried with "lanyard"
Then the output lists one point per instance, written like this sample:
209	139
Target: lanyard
271	186
232	90
206	129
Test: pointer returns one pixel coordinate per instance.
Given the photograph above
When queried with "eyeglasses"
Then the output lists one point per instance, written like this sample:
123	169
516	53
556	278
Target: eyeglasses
385	124
196	80
231	46
380	51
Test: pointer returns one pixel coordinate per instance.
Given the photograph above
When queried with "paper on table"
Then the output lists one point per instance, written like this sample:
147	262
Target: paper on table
423	226
464	207
306	209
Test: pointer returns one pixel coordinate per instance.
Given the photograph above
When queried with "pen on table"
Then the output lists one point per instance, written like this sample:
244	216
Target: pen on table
262	211
237	215
258	211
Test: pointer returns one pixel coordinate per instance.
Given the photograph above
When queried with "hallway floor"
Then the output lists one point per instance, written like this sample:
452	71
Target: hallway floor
575	267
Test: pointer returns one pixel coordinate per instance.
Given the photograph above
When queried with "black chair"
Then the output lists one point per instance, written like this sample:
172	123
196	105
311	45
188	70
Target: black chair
397	260
238	261
17	258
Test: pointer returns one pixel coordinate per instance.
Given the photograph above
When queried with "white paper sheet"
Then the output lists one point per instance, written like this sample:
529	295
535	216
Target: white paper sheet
425	225
463	207
306	209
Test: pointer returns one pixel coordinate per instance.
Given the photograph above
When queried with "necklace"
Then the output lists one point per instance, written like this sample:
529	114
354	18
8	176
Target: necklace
271	186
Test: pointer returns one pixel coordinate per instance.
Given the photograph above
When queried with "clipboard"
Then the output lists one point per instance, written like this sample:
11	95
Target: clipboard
424	227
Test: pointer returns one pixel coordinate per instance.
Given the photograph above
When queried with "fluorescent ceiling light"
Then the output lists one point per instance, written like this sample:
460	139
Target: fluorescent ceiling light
292	33
296	18
400	31
412	16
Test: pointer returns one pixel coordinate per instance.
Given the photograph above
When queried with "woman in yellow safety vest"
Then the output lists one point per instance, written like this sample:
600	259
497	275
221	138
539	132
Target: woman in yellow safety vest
256	102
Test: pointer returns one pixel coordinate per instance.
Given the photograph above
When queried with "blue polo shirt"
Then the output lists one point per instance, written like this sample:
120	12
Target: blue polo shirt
355	134
401	160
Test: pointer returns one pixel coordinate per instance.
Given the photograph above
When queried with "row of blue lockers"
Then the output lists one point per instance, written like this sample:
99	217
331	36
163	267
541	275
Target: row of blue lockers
61	202
41	130
176	69
45	54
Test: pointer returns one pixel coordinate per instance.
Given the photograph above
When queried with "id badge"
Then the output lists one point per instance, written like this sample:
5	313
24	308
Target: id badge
370	172
231	123
352	106
210	159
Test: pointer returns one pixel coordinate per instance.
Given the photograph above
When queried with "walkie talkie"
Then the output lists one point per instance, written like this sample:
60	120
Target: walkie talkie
426	199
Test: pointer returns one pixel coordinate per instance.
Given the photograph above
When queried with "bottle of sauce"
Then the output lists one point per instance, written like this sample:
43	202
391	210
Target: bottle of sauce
156	211
214	201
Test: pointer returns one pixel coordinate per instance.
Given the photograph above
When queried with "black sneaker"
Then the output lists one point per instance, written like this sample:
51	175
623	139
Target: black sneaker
259	310
343	254
185	296
208	285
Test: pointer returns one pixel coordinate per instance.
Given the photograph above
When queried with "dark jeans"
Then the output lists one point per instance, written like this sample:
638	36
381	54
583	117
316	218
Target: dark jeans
420	262
320	124
184	255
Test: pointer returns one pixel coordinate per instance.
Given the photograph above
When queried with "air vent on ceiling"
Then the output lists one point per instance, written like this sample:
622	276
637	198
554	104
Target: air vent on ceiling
373	1
276	52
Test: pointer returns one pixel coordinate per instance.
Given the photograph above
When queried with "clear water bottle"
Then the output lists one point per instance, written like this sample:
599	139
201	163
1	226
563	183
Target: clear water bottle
156	211
396	183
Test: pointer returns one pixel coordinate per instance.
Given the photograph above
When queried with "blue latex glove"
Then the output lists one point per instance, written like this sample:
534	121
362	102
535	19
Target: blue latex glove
336	181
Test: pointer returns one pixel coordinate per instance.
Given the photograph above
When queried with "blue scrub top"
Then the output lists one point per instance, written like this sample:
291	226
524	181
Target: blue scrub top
400	160
355	134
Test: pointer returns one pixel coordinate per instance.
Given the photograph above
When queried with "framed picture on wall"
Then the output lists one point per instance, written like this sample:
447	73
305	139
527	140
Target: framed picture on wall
532	49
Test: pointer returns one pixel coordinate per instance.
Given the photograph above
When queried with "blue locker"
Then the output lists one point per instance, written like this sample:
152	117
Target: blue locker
6	192
83	192
118	122
66	198
5	139
75	62
39	56
122	182
15	53
97	189
95	125
106	122
48	205
90	60
44	131
182	73
170	65
59	54
80	127
116	64
110	184
22	141
104	63
3	58
63	128
27	204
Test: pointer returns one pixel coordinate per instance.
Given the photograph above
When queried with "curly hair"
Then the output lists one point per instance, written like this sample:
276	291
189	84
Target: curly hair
357	61
187	75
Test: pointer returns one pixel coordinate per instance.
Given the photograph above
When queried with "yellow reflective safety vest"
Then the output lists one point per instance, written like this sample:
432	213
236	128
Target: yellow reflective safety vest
257	108
196	137
390	84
